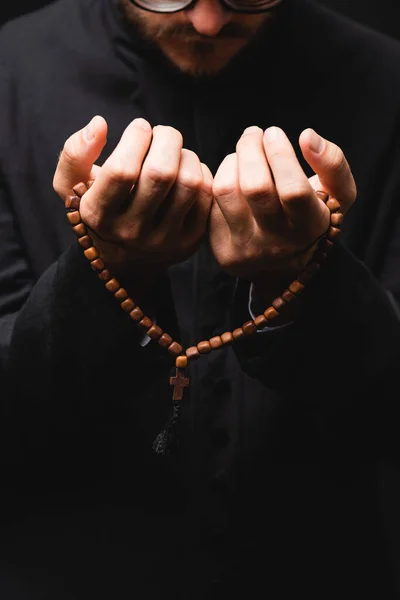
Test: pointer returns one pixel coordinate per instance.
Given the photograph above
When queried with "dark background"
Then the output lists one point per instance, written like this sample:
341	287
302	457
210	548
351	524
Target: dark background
383	15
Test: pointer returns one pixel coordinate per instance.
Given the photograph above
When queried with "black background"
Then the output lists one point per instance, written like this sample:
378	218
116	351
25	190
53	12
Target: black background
383	15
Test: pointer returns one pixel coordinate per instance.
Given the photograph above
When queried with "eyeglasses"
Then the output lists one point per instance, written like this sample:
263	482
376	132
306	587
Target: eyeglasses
171	6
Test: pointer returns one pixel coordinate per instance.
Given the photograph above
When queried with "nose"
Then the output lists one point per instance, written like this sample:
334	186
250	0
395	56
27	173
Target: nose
208	17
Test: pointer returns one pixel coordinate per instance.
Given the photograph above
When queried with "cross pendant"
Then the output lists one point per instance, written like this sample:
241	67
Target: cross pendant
180	382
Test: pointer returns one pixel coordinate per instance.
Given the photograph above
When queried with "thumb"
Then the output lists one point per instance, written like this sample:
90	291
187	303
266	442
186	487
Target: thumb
330	165
77	158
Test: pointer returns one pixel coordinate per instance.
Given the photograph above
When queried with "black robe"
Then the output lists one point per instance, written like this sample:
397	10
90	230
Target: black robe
286	474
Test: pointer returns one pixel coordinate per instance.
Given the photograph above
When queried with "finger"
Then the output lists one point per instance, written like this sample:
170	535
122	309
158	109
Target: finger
226	192
296	194
255	179
121	169
80	152
185	190
159	172
197	218
329	163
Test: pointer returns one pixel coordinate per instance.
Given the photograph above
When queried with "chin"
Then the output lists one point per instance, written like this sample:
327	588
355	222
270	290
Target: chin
201	59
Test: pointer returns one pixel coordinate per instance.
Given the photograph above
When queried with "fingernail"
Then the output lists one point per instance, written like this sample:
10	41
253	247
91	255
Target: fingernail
316	142
142	123
271	134
89	132
251	129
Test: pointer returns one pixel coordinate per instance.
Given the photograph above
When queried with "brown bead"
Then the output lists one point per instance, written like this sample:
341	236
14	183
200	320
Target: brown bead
204	347
304	277
136	314
80	230
105	275
216	342
155	332
192	353
333	233
260	322
113	285
227	338
85	241
74	217
165	340
181	362
175	349
249	328
128	305
145	323
333	204
278	303
288	296
121	294
91	253
97	264
80	189
72	202
337	219
296	287
238	333
271	313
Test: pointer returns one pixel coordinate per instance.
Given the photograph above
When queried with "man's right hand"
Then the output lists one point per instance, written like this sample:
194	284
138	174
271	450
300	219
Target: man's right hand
149	202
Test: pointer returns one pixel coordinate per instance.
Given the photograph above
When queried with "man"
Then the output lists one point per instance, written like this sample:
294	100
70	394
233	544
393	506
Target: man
209	132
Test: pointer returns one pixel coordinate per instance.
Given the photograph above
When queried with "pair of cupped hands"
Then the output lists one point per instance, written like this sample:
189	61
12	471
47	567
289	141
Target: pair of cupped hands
152	200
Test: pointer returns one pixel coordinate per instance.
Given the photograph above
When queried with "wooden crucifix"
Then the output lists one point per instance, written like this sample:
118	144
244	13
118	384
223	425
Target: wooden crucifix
180	382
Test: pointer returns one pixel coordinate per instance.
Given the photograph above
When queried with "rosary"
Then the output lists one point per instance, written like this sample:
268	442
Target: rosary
179	381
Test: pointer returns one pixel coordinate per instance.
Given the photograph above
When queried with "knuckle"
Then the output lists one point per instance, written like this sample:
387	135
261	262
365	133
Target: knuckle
120	174
256	190
294	191
338	160
160	175
169	131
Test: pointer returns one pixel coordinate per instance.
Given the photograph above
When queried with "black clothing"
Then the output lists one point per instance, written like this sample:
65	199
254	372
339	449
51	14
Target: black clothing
288	439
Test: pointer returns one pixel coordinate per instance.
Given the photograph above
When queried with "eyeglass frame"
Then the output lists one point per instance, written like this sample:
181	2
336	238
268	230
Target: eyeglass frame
224	3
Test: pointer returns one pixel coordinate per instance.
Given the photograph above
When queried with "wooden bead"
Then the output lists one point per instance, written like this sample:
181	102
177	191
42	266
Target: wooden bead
278	303
105	275
238	333
181	362
74	217
85	241
288	296
128	305
249	328
80	230
192	353
216	342
155	332
145	323
175	349
91	253
80	189
333	204
271	313
72	202
260	322
337	219
204	347
97	264
136	314
227	338
333	233
296	287
121	294
113	285
165	340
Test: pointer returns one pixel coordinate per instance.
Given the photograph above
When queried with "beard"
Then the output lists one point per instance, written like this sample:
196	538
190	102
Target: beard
190	51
